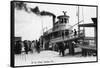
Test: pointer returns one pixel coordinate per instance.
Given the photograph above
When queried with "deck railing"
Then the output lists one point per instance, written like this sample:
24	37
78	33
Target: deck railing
69	37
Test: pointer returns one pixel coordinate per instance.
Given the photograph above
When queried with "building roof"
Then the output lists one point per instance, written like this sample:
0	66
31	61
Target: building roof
94	20
87	25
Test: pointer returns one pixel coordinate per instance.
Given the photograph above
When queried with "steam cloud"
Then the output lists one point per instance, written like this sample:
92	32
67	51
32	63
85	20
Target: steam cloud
23	6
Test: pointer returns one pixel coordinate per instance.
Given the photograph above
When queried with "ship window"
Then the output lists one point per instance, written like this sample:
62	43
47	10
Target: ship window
56	34
61	20
66	32
65	20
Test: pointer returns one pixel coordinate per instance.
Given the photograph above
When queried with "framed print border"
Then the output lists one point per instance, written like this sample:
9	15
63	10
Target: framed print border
12	32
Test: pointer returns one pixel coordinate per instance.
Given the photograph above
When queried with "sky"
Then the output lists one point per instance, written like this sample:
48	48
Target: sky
30	26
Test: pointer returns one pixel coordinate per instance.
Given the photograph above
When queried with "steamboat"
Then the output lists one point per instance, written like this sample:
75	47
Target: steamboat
63	34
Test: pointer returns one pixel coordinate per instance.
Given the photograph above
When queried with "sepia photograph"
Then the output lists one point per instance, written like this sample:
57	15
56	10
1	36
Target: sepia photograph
52	33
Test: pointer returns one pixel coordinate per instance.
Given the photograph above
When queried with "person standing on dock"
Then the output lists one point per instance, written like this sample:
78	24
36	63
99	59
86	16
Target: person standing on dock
38	46
61	49
75	32
26	46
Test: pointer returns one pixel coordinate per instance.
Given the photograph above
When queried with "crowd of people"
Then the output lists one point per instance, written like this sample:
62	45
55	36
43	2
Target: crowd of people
27	46
62	46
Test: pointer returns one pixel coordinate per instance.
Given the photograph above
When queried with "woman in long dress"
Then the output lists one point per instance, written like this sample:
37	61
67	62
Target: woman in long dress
33	46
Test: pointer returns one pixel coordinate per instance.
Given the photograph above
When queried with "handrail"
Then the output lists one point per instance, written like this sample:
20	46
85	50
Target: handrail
67	37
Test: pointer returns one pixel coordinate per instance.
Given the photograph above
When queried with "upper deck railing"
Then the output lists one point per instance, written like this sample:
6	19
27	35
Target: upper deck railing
68	38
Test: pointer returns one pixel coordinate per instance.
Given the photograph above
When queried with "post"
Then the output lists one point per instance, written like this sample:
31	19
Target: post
71	48
78	21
